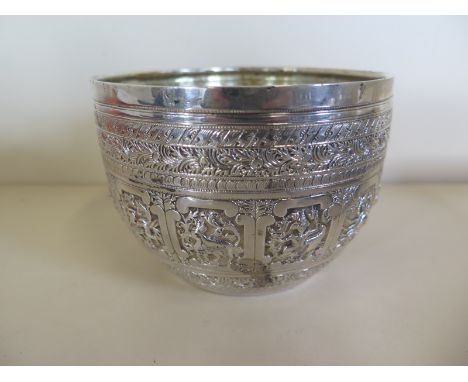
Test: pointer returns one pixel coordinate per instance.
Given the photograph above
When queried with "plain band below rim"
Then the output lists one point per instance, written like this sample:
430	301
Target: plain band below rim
368	88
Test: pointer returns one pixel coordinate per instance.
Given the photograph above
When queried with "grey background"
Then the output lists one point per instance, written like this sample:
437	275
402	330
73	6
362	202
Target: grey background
48	136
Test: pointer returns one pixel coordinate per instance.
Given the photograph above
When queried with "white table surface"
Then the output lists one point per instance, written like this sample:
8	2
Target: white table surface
76	288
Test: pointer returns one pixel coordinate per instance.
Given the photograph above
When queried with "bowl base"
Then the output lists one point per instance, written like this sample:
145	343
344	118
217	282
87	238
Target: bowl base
249	284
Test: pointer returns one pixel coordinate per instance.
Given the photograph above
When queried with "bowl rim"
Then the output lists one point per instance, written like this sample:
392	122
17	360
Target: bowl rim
361	75
368	87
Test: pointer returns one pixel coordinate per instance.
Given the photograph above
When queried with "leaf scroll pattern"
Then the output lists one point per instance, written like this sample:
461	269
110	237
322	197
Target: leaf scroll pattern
256	162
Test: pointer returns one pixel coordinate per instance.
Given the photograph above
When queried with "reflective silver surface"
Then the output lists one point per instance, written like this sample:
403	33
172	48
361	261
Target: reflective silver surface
244	180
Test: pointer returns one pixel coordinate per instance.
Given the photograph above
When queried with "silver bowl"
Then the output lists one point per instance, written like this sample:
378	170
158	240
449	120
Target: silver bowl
244	180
